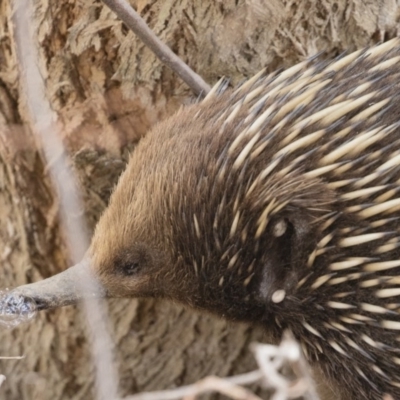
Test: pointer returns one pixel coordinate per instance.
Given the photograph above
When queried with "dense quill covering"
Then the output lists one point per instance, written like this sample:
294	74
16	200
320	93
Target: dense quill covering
278	204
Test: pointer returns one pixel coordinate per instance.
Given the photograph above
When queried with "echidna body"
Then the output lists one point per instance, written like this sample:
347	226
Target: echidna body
278	204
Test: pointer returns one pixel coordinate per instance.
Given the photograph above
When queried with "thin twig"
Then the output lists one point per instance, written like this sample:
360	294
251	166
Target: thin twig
230	386
136	24
272	358
43	123
220	385
12	358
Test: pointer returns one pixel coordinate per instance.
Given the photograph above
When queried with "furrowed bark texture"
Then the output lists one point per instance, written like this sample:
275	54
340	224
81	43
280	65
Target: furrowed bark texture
107	90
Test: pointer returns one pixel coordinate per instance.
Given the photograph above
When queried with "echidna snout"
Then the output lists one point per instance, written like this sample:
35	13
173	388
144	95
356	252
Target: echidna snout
278	204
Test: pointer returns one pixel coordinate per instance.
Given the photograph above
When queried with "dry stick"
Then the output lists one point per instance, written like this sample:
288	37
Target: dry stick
271	358
136	24
220	385
43	122
230	386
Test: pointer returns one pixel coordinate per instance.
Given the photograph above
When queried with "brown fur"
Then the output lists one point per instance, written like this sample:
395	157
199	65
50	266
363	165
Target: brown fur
193	218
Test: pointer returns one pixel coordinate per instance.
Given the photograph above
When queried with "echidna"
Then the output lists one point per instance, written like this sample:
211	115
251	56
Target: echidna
277	203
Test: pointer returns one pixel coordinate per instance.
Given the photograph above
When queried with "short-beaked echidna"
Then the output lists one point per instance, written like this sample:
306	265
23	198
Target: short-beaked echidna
277	203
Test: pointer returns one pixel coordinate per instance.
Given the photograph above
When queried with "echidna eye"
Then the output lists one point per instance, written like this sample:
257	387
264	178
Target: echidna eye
131	268
280	227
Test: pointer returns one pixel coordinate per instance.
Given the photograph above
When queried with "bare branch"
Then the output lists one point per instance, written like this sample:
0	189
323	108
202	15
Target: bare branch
136	24
43	123
272	358
230	386
12	358
223	386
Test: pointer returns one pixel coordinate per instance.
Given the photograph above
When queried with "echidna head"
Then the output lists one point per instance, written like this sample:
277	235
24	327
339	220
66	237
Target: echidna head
198	218
188	223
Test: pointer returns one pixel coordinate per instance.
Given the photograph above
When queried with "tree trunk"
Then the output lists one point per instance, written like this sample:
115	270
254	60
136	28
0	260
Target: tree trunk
108	89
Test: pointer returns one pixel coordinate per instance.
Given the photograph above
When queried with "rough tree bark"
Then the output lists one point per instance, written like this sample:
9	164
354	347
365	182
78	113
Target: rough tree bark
107	90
